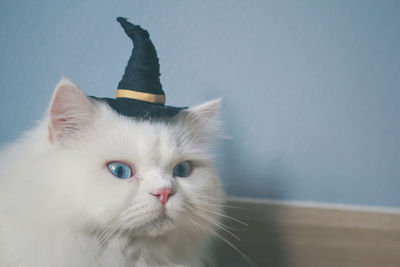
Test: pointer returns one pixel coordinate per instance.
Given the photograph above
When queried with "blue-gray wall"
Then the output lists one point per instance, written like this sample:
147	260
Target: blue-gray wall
311	88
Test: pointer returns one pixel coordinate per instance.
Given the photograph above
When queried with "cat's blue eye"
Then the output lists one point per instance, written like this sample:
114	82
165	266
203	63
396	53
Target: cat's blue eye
120	170
183	169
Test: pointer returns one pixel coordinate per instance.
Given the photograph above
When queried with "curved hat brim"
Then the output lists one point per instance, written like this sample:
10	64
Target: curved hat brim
140	109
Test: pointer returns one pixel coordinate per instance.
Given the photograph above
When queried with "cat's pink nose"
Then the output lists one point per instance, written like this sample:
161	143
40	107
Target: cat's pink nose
162	194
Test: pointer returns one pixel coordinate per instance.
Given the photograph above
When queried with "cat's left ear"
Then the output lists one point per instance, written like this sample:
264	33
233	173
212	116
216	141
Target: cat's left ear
70	111
207	110
203	117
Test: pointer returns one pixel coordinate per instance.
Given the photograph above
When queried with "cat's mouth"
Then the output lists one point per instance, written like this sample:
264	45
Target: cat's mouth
157	224
161	217
155	227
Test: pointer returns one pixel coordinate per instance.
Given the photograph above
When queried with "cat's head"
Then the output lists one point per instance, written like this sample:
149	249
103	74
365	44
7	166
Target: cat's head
146	176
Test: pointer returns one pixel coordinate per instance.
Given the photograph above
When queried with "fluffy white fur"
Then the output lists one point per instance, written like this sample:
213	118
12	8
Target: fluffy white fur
61	206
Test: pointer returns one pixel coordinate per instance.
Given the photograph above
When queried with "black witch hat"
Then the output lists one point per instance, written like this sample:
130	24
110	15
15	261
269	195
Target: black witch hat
140	93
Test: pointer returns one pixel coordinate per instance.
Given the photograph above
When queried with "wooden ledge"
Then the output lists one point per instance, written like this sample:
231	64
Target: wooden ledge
282	234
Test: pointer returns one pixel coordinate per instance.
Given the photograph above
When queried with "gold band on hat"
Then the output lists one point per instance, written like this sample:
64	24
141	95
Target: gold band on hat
152	98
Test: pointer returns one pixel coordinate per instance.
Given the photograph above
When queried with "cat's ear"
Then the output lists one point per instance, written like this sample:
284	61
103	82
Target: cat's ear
203	116
206	111
70	111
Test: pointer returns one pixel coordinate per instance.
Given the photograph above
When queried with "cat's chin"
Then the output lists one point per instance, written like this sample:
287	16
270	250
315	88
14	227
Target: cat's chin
154	228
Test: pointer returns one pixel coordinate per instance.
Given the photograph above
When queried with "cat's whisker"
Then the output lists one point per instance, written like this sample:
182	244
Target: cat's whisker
214	212
207	231
98	243
222	206
218	224
134	216
98	232
210	197
132	210
125	234
218	205
104	237
223	215
233	246
215	222
108	234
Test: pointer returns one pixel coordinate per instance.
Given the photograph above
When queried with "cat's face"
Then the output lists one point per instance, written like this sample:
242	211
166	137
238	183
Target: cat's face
146	177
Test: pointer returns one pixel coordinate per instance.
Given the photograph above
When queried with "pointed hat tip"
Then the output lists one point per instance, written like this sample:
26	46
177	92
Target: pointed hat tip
131	29
125	23
122	19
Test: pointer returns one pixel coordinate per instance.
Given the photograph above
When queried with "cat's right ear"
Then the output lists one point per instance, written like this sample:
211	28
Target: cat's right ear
70	111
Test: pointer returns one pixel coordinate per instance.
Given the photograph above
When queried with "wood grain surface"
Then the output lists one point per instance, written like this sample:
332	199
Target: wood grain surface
285	235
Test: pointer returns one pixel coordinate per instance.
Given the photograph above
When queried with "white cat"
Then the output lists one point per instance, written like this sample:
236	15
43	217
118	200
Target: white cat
90	187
